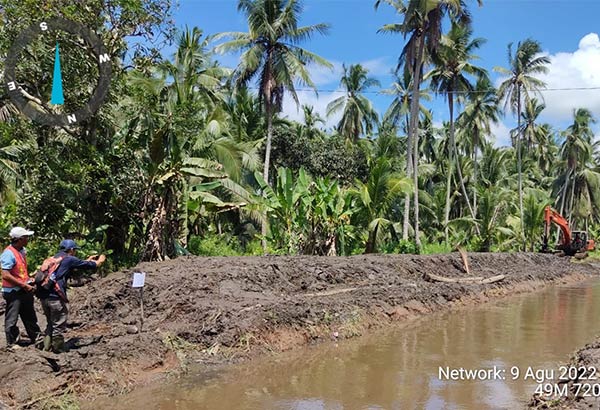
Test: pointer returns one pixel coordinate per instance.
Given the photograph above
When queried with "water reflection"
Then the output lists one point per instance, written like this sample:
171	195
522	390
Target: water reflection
399	369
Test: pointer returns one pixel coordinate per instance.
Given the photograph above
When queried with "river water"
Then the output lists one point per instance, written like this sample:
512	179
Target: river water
400	368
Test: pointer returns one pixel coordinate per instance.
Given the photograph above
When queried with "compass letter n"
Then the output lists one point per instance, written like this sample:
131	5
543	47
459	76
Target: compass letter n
104	58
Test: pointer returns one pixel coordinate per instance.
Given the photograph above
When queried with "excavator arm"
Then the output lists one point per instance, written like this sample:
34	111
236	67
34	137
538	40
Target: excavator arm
552	216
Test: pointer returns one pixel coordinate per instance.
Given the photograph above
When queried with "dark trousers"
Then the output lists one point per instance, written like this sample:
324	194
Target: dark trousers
19	303
56	313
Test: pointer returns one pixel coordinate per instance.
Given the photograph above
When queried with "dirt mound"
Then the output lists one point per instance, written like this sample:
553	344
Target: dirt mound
214	310
582	385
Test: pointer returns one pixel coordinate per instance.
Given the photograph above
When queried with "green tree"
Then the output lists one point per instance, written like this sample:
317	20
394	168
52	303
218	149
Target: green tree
530	130
422	24
358	115
449	77
375	198
397	112
270	54
524	65
182	129
578	180
481	110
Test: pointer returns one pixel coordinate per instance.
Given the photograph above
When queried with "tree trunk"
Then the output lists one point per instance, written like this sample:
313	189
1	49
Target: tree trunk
414	131
371	242
454	157
572	201
183	216
265	224
155	247
519	166
447	207
475	146
409	164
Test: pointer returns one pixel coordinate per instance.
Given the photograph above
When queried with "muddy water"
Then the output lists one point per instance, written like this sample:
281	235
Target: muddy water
399	369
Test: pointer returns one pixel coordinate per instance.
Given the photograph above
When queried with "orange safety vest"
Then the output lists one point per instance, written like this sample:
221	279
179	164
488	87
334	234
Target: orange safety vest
19	271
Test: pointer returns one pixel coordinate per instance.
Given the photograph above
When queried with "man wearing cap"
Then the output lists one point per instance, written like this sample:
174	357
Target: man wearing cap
54	301
17	288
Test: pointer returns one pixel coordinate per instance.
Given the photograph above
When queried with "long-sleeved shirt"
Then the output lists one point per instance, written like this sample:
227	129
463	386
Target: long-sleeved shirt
64	271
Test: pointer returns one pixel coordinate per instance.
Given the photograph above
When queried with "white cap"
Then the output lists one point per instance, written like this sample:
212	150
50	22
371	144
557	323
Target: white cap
18	232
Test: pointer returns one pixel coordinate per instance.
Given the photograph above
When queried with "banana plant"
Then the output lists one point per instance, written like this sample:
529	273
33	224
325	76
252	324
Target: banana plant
308	216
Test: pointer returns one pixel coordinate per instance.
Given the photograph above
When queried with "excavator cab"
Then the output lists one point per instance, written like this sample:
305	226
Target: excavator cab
579	243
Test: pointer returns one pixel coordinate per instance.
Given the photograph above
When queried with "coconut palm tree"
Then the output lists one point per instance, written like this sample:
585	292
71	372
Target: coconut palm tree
311	118
546	148
422	25
449	77
271	55
358	115
480	112
397	112
530	130
577	154
520	80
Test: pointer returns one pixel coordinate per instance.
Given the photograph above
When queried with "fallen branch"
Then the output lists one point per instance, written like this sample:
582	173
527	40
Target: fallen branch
492	279
478	280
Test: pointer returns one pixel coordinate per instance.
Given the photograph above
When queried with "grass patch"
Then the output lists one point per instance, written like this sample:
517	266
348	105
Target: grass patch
66	401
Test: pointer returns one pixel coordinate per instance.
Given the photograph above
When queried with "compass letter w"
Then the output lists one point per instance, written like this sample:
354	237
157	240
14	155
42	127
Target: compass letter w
104	58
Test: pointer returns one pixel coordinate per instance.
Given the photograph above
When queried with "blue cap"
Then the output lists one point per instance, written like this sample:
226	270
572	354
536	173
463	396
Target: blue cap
67	244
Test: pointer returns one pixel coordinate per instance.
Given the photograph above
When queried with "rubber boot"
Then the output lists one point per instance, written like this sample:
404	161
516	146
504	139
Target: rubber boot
58	344
47	343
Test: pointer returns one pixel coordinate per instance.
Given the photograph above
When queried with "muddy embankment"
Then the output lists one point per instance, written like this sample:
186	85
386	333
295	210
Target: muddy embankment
214	311
576	385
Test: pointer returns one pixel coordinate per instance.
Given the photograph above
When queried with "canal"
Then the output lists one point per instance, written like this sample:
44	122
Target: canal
400	368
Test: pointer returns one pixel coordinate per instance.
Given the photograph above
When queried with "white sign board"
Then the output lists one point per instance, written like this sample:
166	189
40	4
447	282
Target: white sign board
138	279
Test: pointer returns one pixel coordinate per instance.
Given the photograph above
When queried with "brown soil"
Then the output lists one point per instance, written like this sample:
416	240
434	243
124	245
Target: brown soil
583	390
217	310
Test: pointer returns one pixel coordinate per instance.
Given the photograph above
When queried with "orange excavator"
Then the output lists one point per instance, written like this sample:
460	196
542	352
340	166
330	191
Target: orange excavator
571	242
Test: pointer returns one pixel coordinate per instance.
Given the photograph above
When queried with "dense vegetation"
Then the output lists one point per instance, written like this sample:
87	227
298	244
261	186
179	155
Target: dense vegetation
190	156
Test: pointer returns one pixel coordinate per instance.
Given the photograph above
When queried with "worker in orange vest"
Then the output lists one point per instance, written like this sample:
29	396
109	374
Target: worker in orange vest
17	288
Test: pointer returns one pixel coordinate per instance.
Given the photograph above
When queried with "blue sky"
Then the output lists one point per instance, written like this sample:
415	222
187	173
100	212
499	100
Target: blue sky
566	29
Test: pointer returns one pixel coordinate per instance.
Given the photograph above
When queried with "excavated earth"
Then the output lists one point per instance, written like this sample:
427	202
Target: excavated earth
211	312
583	389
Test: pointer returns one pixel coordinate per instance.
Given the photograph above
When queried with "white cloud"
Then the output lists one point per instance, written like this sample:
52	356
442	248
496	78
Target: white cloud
573	70
377	66
327	79
327	76
500	134
319	103
324	76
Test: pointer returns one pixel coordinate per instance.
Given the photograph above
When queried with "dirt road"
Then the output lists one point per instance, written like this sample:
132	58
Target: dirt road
214	311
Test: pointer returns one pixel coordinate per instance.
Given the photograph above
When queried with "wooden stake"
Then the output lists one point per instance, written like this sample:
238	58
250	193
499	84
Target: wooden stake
141	308
465	260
